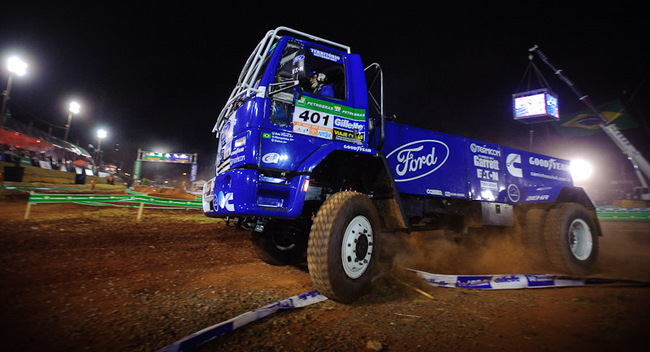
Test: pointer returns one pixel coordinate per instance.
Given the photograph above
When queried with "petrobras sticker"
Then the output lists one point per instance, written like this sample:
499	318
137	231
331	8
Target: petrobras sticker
418	159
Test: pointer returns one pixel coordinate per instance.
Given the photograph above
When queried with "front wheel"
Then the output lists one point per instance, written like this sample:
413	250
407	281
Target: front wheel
281	243
571	239
343	249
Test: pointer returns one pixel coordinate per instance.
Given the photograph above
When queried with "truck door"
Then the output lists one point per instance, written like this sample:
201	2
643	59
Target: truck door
305	71
307	96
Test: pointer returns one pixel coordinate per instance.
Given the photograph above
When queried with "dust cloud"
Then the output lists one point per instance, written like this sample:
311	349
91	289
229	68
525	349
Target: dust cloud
479	254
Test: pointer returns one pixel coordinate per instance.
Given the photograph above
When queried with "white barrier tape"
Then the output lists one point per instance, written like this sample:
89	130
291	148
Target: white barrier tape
490	282
513	281
212	332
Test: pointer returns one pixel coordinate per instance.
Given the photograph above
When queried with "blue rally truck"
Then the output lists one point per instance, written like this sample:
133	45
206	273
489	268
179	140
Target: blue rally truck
308	163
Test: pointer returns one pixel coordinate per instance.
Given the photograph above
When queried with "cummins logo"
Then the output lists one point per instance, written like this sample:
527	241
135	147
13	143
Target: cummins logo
417	159
513	162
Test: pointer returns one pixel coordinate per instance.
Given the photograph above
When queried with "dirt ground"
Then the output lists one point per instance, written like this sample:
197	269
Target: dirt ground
89	278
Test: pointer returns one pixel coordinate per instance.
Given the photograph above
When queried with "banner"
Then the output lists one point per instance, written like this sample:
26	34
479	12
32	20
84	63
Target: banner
137	167
585	123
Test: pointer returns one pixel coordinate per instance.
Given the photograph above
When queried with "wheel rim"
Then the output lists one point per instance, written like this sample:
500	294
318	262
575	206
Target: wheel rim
284	241
580	239
357	247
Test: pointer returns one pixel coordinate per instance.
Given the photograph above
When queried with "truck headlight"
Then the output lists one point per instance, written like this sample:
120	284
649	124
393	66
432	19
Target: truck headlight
240	142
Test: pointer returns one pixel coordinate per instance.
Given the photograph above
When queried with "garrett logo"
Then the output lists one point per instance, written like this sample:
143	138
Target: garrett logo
418	159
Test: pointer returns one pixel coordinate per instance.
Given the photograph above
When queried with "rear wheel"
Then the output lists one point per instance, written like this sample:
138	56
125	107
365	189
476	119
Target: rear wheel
571	239
533	228
344	246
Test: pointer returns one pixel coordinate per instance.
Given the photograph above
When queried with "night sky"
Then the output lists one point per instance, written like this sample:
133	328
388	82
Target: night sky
156	76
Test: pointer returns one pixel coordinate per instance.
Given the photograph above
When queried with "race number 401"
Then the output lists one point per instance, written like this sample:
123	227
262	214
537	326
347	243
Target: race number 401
313	123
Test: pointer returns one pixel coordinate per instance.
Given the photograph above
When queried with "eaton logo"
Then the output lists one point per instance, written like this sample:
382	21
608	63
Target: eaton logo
418	159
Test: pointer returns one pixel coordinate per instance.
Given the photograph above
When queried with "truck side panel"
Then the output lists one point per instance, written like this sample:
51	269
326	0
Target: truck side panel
426	163
435	164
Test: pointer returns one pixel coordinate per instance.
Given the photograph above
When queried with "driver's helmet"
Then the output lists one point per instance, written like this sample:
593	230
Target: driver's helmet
320	78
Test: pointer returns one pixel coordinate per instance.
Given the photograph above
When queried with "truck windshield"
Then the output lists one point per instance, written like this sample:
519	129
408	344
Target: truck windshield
318	72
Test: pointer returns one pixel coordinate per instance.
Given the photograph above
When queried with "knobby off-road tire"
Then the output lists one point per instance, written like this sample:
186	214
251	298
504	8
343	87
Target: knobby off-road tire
344	247
533	228
571	239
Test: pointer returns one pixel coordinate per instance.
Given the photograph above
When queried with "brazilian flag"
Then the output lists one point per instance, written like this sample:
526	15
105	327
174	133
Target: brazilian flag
585	123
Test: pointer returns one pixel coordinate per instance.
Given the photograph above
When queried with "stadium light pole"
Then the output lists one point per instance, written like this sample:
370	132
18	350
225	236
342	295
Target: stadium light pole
73	109
101	134
15	66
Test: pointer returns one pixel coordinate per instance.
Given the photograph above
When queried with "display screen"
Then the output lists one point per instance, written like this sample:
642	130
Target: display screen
535	104
551	106
531	105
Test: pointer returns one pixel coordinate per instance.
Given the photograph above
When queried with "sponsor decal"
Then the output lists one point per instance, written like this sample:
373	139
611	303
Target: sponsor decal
225	138
418	159
325	55
536	198
312	123
271	158
319	118
513	193
298	58
348	124
486	163
483	149
348	136
549	164
225	201
357	148
512	165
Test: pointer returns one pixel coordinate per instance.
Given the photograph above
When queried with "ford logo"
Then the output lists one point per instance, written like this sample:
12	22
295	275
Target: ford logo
417	159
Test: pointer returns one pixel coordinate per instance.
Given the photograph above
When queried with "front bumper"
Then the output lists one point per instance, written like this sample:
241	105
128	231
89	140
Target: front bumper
246	192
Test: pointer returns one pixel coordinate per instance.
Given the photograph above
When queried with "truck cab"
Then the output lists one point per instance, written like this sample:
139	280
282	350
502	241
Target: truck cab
296	101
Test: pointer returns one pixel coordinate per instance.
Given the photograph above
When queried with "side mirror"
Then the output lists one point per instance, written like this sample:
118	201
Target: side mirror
275	88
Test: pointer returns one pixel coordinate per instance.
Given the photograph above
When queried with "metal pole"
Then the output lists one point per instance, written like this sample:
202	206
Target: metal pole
582	97
67	127
5	98
99	152
610	129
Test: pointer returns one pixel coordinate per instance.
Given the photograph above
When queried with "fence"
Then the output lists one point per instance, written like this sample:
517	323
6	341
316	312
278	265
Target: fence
134	199
141	200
